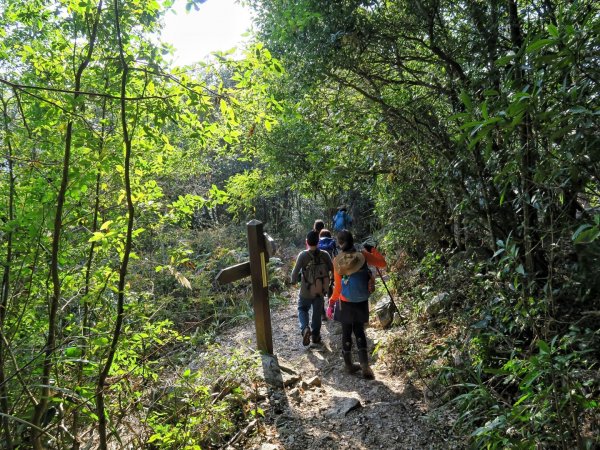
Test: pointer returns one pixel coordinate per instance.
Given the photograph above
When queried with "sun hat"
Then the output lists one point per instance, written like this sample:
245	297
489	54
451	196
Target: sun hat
348	263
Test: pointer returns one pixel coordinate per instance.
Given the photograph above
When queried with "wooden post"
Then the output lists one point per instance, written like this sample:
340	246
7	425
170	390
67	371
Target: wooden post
260	288
260	247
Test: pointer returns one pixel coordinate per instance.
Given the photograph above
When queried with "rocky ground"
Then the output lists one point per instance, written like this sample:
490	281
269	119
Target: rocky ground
320	406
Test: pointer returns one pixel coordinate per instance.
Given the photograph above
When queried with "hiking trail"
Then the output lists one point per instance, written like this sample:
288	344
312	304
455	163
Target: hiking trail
322	407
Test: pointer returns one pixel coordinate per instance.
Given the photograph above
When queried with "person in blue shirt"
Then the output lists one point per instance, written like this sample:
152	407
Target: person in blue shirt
342	220
327	243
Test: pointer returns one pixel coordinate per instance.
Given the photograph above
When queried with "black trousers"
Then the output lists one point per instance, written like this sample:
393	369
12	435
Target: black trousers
358	328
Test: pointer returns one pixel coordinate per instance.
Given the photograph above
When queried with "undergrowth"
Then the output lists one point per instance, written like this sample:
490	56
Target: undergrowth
184	390
517	376
205	406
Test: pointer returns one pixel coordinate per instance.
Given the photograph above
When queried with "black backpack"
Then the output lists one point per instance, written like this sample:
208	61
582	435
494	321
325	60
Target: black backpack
315	274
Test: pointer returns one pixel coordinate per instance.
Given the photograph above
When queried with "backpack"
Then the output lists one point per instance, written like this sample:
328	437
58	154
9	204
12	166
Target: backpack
358	286
329	245
315	275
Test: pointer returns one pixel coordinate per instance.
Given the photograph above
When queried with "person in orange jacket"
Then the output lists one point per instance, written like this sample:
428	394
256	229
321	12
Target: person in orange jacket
349	303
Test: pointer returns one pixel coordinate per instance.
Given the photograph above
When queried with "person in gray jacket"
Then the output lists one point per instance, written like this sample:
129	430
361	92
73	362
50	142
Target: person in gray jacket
314	269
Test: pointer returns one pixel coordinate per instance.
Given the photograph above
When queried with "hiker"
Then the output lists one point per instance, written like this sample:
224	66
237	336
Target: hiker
318	225
341	220
313	269
349	303
327	243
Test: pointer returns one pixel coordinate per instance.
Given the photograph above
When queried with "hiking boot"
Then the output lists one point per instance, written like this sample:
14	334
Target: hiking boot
306	337
349	367
316	339
363	358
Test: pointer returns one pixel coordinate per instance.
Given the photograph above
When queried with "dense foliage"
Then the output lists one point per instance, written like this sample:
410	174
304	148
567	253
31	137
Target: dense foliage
473	127
109	158
463	135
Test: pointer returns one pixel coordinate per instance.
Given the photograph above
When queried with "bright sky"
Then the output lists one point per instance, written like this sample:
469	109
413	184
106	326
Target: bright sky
217	25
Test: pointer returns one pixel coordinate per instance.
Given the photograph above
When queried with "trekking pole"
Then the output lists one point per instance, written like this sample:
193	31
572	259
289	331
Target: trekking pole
382	280
386	288
410	361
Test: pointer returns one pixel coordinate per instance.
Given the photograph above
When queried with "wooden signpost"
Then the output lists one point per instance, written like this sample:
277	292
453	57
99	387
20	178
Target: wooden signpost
260	247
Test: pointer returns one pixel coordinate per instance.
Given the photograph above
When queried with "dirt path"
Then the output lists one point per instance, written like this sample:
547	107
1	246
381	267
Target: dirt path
329	409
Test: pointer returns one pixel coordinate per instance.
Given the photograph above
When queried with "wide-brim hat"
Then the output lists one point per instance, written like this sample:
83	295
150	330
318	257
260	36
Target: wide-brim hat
348	263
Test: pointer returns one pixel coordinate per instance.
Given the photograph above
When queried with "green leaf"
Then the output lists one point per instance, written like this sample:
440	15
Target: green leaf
579	110
100	341
505	60
484	111
223	106
466	100
522	399
277	66
470	125
581	228
586	236
73	352
539	44
502	196
520	269
490	93
98	236
462	115
156	436
544	348
498	252
483	323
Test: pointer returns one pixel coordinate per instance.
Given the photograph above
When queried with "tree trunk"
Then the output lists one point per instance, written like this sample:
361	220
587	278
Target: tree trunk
527	161
102	422
4	293
88	272
40	409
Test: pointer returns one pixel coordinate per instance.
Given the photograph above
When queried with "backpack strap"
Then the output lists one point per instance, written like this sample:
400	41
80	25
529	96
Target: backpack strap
316	257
